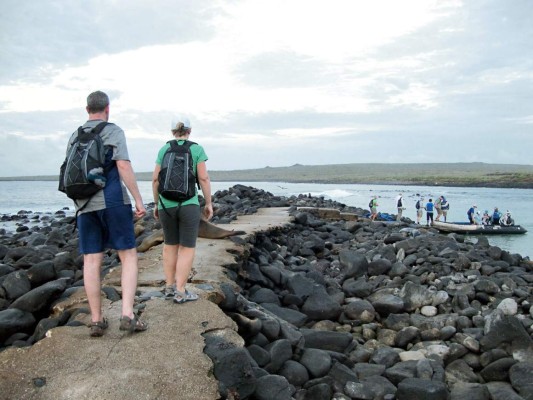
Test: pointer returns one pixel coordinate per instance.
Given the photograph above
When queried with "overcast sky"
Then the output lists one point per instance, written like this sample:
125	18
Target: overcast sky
272	82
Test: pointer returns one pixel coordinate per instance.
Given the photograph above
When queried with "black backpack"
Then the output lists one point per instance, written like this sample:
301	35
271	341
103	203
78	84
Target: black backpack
176	177
417	205
371	204
82	174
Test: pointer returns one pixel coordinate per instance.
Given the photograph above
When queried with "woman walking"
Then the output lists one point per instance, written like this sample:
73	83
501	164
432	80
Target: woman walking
180	219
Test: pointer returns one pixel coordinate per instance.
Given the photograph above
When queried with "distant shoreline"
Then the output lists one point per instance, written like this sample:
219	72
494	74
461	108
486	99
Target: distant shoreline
431	174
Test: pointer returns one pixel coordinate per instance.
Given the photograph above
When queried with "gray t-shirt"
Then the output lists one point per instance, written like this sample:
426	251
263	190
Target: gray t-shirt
114	193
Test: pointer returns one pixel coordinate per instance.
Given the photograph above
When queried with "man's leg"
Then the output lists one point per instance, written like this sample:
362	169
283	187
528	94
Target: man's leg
91	279
128	259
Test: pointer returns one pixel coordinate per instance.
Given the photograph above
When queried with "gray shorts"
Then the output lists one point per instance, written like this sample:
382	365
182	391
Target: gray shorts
180	224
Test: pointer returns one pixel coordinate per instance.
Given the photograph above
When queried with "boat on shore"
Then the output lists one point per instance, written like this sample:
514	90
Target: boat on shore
466	227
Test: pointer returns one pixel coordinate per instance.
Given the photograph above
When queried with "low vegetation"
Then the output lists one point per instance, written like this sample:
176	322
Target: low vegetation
457	174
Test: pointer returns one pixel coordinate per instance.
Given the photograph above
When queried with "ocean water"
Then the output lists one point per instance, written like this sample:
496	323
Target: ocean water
43	197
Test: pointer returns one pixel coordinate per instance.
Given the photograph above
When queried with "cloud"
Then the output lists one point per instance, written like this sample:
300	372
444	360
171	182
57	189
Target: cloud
272	83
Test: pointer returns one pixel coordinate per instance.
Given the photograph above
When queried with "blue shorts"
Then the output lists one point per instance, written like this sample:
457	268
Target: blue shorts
111	228
180	225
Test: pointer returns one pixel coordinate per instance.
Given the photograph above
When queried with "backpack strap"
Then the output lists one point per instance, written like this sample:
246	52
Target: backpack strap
96	130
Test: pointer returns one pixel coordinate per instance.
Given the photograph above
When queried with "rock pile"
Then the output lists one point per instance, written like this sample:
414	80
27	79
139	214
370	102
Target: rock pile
340	308
40	264
359	310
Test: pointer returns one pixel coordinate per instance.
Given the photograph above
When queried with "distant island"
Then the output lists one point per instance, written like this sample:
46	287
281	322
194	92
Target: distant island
429	174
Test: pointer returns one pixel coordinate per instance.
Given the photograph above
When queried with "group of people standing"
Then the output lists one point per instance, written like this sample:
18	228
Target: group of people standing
440	206
105	220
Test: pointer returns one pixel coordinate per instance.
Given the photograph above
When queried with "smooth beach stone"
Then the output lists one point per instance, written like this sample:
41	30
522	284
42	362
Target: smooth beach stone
319	305
359	390
361	310
317	362
326	340
260	355
280	351
428	311
406	335
265	295
385	356
520	375
498	370
459	371
272	387
421	389
415	296
39	298
16	284
14	320
44	326
380	386
469	391
320	391
379	267
294	317
400	371
502	390
295	373
353	264
365	370
411	355
357	287
508	306
386	304
342	374
41	273
233	369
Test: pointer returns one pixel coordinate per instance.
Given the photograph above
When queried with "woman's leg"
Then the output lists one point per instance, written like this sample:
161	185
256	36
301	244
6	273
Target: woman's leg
183	266
170	260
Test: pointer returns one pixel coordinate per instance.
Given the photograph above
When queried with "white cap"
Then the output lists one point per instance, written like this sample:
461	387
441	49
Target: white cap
178	120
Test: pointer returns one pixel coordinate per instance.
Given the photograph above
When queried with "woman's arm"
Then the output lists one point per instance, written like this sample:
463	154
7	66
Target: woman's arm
155	187
205	185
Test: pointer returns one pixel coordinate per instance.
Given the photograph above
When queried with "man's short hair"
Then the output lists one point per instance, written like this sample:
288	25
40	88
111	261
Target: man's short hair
97	101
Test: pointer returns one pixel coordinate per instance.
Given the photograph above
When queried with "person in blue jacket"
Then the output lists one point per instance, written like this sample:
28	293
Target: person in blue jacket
429	212
496	215
471	214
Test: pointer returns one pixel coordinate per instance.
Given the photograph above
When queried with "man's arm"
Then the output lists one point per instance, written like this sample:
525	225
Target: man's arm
127	175
155	189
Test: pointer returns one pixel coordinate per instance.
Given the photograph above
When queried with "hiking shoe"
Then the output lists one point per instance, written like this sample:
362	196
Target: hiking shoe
98	328
182	297
132	324
169	292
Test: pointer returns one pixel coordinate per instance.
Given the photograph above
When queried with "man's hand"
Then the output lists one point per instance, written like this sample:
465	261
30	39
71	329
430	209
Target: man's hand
140	211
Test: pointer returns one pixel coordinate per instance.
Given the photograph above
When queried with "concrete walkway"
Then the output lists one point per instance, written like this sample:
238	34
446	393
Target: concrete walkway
165	362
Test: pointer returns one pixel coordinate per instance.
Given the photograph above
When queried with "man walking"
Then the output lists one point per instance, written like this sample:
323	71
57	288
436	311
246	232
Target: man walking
400	207
105	220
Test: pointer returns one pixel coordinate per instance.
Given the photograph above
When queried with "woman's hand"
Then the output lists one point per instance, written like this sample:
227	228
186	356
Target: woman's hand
208	211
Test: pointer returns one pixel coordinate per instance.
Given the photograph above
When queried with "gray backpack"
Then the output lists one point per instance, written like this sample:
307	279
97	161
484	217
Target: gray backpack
176	177
82	174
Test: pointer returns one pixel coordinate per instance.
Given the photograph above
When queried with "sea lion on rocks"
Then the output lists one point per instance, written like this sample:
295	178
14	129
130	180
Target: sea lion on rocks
206	230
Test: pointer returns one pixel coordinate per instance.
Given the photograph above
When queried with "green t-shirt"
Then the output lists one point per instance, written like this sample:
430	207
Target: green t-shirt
198	156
